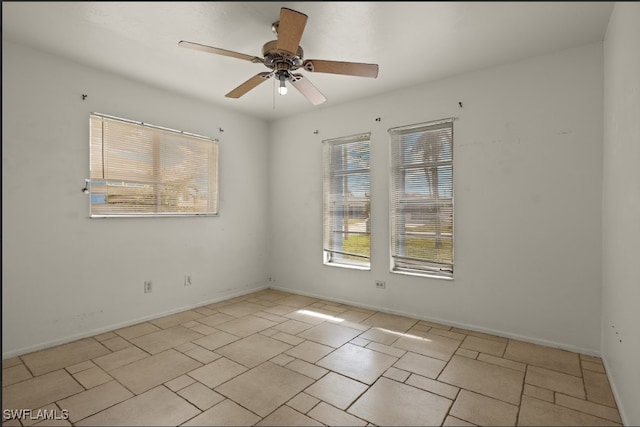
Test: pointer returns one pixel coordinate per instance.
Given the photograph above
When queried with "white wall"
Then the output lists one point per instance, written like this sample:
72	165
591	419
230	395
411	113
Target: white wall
528	182
621	209
65	275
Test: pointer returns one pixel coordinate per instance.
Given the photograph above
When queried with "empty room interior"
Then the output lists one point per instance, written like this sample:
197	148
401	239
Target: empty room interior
435	222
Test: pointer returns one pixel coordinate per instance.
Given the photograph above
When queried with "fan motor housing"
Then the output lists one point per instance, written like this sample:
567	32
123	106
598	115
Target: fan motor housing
276	58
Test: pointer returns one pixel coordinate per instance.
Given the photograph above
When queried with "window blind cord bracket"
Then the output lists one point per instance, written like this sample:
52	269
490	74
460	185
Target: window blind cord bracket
85	190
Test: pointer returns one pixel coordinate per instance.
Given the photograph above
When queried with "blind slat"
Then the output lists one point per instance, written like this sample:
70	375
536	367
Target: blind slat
421	209
346	205
139	169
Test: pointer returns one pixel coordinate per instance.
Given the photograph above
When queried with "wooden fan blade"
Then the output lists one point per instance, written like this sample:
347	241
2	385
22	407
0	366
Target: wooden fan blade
218	51
249	84
307	89
290	30
337	67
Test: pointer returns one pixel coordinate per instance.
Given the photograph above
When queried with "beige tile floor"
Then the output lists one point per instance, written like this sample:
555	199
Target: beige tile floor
274	358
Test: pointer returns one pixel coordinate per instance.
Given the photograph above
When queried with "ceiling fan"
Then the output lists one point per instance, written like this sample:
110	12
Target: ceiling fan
284	56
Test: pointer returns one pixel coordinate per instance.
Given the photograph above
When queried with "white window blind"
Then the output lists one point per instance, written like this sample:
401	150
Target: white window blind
143	170
422	198
347	201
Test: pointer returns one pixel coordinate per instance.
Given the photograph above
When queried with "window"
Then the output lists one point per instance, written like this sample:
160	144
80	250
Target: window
347	201
143	170
422	199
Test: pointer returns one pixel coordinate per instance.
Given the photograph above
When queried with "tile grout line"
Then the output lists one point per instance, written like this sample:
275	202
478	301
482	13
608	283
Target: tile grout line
361	332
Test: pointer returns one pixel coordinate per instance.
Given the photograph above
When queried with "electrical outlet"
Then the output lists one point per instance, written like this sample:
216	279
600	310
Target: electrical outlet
187	280
380	284
148	286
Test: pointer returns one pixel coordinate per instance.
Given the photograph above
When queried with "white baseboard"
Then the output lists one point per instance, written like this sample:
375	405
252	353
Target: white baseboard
452	323
120	325
476	328
614	390
504	334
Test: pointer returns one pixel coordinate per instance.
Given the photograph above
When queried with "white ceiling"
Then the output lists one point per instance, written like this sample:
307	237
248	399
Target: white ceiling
413	42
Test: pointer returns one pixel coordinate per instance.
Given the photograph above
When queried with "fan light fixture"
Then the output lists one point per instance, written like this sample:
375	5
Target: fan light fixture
284	56
282	89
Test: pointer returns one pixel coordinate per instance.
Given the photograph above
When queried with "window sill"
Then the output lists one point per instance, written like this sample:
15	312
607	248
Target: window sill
421	274
349	266
168	215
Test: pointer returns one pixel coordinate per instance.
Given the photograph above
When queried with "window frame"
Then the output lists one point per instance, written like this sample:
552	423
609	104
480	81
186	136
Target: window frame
423	267
329	254
212	170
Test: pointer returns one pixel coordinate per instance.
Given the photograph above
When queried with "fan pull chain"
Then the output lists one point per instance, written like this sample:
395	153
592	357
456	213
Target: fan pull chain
273	93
